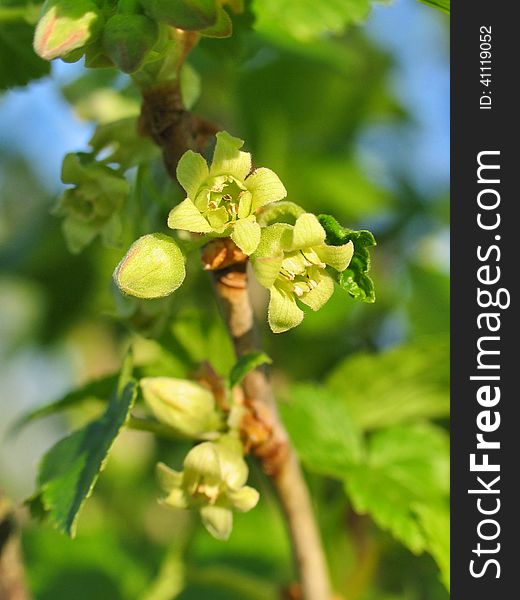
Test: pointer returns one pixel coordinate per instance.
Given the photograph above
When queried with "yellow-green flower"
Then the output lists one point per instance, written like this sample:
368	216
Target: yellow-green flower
213	482
222	199
291	262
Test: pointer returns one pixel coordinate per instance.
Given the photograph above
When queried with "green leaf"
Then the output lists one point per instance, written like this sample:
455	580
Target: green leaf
435	521
443	5
99	389
355	279
23	65
326	438
69	470
245	364
406	468
397	386
307	19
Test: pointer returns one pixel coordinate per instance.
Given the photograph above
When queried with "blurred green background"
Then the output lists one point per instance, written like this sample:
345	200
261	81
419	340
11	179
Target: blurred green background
356	125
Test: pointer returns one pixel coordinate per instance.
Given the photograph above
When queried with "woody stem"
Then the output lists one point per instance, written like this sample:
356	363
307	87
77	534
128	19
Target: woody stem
277	456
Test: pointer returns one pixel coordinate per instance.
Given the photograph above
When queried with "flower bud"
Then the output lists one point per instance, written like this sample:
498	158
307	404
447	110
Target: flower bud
127	39
153	267
183	405
190	15
66	25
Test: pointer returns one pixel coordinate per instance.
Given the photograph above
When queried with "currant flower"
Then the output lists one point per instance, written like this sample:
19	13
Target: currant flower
292	262
222	199
213	482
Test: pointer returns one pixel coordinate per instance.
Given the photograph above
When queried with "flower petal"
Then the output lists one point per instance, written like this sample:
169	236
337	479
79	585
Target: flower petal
168	478
337	257
246	234
177	499
267	269
274	240
266	187
217	520
186	216
218	218
307	232
244	204
283	313
228	159
321	294
192	172
243	499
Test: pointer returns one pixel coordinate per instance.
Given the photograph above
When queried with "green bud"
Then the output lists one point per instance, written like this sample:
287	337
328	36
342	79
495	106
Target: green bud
66	25
127	39
153	267
183	405
190	15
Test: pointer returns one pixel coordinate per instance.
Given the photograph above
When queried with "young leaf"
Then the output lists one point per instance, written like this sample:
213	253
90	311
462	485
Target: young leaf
322	431
245	364
69	470
355	280
397	386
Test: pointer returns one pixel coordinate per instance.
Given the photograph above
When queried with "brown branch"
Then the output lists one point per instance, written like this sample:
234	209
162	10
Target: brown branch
12	576
175	130
267	437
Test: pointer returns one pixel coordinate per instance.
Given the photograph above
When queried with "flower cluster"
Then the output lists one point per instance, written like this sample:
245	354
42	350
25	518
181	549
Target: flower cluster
228	199
214	472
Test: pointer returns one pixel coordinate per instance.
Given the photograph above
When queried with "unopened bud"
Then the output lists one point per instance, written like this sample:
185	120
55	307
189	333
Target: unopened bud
66	25
183	405
153	267
127	39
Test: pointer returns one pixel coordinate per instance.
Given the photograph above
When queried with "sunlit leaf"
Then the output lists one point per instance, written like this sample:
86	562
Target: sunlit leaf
406	383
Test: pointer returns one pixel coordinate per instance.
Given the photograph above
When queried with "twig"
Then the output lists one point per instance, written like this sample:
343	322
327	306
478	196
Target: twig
274	449
12	576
